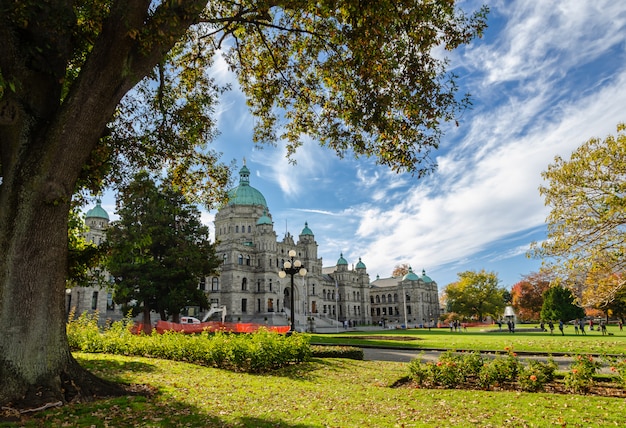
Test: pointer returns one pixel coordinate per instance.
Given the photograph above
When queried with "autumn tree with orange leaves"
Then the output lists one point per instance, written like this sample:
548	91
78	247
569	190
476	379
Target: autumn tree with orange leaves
527	294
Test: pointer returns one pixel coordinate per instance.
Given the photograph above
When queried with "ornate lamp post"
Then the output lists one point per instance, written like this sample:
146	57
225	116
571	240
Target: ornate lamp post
292	267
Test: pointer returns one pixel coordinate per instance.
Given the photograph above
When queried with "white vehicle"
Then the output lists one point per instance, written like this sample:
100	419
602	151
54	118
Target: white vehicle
189	320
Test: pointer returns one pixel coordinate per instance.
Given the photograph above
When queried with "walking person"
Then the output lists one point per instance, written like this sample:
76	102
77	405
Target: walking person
582	327
576	326
561	327
551	327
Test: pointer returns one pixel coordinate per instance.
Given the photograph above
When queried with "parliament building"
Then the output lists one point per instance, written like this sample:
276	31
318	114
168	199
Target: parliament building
249	287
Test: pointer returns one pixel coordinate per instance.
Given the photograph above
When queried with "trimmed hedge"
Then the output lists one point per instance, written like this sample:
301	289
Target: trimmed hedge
349	352
257	352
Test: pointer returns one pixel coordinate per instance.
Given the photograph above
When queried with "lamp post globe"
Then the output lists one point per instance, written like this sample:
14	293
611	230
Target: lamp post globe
292	267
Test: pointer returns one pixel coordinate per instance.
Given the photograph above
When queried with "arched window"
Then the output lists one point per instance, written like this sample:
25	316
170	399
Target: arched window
240	259
395	298
244	284
247	260
236	229
249	229
377	299
215	284
389	298
384	299
371	299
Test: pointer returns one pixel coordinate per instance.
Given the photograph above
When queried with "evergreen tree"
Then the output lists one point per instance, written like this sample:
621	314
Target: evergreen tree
159	251
558	304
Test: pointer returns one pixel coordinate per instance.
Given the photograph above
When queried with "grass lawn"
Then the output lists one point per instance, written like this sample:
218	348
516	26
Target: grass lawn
323	393
477	338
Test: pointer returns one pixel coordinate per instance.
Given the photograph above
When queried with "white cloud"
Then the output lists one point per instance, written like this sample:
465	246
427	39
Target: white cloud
486	188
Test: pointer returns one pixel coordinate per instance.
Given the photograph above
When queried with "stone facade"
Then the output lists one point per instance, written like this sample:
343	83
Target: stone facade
249	287
96	298
409	300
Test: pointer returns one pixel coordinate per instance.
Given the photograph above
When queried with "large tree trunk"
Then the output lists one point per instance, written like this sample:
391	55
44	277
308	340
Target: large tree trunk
46	138
36	366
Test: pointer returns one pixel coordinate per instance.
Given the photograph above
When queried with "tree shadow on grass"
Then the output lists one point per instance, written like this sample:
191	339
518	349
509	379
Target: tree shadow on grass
144	405
311	370
137	411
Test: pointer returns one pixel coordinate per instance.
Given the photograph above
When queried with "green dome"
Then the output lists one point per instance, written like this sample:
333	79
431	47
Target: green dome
425	278
244	194
97	212
264	219
306	230
341	260
360	264
410	276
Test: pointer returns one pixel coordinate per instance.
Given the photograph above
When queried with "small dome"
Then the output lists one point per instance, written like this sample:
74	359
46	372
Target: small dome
410	276
244	194
360	264
97	211
306	230
264	219
425	278
342	261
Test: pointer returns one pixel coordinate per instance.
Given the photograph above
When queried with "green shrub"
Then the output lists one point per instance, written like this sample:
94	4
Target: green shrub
472	363
580	376
534	376
254	353
349	352
618	367
499	370
450	371
83	333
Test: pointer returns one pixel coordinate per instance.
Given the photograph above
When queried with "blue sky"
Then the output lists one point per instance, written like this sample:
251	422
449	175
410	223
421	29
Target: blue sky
545	77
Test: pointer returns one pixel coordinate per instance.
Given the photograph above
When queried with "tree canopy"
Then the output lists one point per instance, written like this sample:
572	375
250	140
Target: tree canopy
159	251
92	91
586	225
559	304
475	294
527	294
400	270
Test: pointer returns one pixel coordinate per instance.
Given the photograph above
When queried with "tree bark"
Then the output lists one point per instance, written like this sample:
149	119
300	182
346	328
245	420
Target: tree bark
44	144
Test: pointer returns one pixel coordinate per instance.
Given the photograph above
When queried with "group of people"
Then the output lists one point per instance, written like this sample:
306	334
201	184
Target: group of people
561	327
579	327
510	324
457	326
